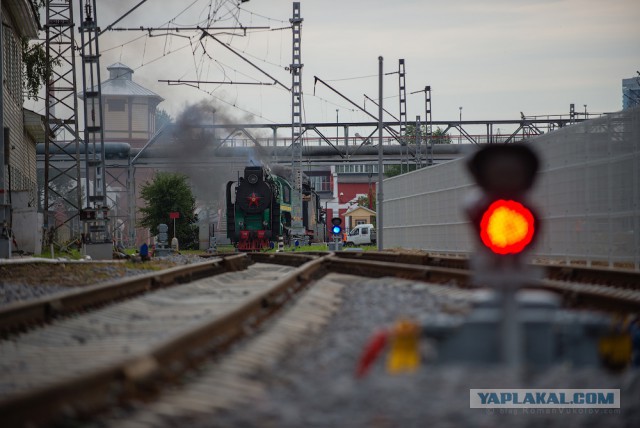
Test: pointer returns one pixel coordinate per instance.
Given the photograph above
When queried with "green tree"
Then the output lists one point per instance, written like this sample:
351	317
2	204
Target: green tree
363	201
170	192
437	137
162	118
36	71
440	137
393	170
410	133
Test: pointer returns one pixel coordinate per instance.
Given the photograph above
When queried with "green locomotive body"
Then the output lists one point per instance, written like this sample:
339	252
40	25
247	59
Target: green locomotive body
260	213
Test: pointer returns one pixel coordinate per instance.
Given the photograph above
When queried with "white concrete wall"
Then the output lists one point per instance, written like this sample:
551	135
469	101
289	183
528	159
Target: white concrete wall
27	230
588	191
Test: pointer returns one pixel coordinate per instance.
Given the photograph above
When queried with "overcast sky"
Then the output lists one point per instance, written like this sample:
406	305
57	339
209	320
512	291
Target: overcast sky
495	58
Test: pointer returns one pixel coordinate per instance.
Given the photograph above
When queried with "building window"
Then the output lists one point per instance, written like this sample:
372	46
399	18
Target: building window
116	105
359	222
12	64
357	169
321	183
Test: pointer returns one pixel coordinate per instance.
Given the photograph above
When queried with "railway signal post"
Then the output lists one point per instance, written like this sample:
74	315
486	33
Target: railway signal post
506	225
336	231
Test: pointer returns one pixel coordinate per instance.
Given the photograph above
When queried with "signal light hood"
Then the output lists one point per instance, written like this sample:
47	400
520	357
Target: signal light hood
504	169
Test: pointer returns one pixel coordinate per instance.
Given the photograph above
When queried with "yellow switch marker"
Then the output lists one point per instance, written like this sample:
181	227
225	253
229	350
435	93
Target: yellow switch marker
403	355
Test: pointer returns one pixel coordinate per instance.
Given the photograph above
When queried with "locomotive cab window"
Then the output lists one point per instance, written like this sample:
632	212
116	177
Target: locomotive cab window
354	232
365	231
286	197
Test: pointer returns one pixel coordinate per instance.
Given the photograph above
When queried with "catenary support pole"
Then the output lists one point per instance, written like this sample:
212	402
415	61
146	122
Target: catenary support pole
5	238
380	198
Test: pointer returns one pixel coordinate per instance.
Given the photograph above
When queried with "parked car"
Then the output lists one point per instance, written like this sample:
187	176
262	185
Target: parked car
362	234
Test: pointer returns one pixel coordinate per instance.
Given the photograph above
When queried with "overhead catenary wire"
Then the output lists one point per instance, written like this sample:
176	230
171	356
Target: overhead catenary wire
109	27
161	56
199	63
235	106
206	33
225	82
196	28
384	109
261	16
223	66
351	78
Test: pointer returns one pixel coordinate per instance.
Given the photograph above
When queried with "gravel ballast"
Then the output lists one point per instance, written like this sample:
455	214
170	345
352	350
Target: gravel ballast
315	386
26	279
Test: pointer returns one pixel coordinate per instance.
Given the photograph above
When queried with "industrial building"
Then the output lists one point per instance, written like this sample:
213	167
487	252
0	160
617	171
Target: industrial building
21	130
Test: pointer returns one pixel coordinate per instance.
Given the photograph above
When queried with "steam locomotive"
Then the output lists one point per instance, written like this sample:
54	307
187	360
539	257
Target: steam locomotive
260	211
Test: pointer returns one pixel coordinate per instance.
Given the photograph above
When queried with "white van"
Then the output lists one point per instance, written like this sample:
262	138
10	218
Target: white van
362	234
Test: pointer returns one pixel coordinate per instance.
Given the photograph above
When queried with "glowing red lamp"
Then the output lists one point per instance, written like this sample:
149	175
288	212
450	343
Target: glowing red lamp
507	227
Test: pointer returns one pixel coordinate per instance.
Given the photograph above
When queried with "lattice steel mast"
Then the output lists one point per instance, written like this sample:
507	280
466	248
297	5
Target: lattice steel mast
403	109
428	136
297	227
62	188
95	215
428	125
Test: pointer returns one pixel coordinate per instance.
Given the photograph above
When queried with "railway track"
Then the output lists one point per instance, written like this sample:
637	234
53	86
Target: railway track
621	278
600	288
151	328
87	361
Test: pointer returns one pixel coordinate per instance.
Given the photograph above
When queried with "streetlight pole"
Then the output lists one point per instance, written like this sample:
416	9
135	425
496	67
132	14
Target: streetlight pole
326	217
337	125
460	130
380	198
585	112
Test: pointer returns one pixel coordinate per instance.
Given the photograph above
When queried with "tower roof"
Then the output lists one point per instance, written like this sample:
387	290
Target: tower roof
119	70
120	83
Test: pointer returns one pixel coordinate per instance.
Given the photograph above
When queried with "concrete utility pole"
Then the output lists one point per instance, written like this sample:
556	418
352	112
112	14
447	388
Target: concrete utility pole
5	208
380	164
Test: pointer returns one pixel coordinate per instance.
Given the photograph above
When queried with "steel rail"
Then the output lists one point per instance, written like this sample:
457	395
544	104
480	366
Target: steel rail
405	258
379	268
42	310
603	297
600	297
621	278
287	259
135	376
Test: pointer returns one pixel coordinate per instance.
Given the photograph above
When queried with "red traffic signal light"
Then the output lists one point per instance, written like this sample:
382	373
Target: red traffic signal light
507	227
504	221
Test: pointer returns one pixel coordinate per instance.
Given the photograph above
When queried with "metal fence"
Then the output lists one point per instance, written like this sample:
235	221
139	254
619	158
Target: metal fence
588	191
